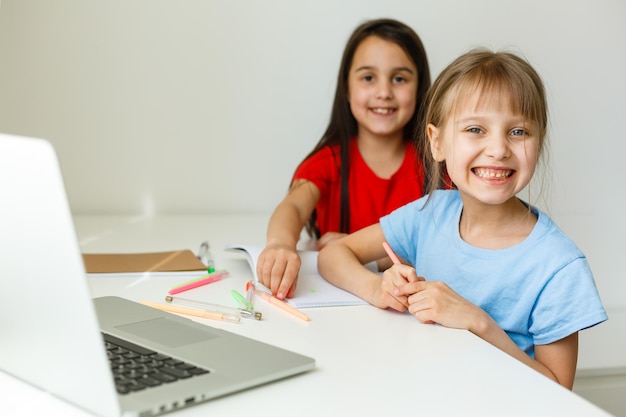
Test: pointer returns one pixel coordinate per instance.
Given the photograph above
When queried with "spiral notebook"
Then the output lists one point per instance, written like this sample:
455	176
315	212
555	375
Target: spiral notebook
312	290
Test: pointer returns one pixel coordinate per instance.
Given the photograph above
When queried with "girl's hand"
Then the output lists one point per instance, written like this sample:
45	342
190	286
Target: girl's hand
436	302
384	295
327	238
277	268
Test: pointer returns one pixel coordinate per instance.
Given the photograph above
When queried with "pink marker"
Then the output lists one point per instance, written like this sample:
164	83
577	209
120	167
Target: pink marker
207	279
394	258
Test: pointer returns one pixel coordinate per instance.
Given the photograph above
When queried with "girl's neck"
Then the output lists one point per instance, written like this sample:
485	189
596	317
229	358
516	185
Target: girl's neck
496	226
384	155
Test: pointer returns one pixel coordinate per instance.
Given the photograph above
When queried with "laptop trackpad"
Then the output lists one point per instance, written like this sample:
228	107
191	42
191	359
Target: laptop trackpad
167	332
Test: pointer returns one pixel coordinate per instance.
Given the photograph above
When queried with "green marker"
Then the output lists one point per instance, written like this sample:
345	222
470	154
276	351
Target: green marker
241	300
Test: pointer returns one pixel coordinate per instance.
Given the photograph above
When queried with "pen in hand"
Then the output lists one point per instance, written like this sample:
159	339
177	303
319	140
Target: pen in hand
396	261
394	258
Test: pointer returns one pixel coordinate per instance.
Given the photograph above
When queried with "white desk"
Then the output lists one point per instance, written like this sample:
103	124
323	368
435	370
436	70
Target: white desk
370	362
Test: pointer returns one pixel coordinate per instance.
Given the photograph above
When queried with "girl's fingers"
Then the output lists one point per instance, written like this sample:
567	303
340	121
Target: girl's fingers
409	288
397	303
287	282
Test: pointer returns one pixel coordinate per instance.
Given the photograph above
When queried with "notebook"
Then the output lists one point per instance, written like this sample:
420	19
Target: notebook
182	262
312	289
52	330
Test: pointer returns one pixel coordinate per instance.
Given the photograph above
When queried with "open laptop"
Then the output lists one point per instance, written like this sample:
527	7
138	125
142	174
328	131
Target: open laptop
52	331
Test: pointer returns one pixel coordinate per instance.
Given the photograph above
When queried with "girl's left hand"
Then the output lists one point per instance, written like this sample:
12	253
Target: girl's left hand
436	302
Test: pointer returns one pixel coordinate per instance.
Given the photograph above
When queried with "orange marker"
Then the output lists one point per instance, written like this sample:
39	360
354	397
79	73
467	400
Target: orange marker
250	291
281	304
192	312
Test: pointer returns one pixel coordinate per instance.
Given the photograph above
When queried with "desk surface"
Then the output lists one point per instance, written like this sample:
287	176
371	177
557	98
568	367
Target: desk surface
369	361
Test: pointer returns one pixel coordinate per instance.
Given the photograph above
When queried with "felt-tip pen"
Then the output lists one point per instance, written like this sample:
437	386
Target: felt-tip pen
193	312
250	288
204	254
392	255
257	315
198	282
242	300
283	305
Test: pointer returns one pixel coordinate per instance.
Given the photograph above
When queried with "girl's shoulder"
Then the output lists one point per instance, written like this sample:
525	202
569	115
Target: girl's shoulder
552	235
439	202
442	200
325	154
325	163
331	153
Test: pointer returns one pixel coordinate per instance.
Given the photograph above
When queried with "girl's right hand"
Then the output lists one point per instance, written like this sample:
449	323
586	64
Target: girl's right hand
397	275
277	268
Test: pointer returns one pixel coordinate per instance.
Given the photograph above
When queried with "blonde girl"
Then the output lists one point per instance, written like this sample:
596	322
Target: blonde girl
478	257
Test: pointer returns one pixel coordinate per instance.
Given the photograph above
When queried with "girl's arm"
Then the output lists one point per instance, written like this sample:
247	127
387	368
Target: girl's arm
436	302
341	264
556	360
278	264
327	238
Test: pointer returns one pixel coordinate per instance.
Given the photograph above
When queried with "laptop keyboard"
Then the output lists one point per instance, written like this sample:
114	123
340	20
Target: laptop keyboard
136	368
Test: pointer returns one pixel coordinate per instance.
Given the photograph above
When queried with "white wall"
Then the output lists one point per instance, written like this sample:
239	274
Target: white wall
160	106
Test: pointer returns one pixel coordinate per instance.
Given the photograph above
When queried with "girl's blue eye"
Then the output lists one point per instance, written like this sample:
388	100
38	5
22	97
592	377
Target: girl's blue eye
476	130
518	132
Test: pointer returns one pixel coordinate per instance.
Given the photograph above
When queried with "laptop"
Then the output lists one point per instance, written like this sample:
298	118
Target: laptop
53	332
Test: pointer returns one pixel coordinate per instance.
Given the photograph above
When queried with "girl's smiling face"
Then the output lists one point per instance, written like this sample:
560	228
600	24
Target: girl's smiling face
490	150
382	86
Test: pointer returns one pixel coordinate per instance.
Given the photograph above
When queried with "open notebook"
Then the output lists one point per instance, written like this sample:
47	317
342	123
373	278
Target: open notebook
312	290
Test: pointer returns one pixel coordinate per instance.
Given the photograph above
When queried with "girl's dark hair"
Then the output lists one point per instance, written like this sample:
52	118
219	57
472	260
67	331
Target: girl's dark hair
343	126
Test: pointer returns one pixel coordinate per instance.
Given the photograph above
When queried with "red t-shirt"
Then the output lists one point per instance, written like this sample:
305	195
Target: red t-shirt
371	197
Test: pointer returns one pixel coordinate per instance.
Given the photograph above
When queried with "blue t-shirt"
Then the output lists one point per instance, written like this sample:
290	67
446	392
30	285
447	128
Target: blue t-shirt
539	291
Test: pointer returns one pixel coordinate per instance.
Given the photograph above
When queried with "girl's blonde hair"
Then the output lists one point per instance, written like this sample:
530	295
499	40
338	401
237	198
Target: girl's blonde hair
500	74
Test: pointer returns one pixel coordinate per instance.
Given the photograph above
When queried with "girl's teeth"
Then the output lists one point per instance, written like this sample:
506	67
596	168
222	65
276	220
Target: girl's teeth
492	174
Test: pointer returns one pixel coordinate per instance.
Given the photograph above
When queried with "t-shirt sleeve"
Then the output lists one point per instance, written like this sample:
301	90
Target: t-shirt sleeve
321	169
400	228
569	302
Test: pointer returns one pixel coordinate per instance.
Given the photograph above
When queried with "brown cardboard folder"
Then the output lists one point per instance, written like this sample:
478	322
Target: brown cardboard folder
172	261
